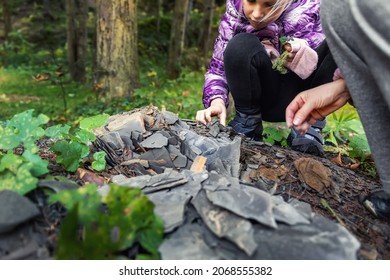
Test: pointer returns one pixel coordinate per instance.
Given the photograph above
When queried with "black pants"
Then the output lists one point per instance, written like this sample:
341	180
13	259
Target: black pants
257	88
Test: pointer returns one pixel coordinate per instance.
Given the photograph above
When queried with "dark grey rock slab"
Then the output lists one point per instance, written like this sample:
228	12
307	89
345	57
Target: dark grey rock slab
286	213
134	182
114	140
169	117
304	208
187	243
15	210
57	186
247	202
156	140
225	224
170	207
320	240
159	157
23	243
179	160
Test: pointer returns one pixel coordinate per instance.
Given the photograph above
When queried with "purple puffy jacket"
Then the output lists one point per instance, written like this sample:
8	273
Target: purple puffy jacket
300	20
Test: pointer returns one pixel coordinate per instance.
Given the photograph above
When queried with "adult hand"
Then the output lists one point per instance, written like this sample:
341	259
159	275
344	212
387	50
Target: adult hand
217	108
314	104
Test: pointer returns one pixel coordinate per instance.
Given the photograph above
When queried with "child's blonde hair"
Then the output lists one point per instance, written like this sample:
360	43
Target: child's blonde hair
279	4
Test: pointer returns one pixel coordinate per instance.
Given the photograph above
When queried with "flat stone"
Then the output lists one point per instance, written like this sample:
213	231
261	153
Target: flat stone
159	157
170	208
132	122
187	243
225	224
156	140
169	117
114	140
320	240
57	186
15	210
247	202
134	182
286	213
180	160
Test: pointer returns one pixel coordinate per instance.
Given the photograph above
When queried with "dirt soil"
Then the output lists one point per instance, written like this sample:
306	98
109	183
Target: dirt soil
344	207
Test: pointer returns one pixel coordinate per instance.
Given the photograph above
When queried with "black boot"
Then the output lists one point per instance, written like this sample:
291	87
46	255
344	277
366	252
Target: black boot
249	125
311	142
378	203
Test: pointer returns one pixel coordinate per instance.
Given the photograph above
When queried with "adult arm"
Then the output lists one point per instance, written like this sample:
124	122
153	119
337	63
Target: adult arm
316	103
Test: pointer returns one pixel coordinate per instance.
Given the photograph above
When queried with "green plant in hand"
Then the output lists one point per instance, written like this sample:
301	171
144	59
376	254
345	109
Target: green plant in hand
101	227
279	63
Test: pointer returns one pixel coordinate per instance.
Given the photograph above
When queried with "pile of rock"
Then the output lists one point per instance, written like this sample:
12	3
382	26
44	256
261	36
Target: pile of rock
209	210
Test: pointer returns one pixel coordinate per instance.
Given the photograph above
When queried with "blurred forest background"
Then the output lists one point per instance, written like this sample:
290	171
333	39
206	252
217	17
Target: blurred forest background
71	59
74	58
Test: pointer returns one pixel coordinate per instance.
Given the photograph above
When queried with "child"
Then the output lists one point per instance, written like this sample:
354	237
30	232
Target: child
244	52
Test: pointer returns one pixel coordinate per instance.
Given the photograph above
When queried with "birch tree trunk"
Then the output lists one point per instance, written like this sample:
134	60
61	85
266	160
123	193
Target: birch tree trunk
117	51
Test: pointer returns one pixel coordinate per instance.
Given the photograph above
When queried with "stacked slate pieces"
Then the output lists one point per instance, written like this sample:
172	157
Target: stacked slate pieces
213	214
148	141
19	238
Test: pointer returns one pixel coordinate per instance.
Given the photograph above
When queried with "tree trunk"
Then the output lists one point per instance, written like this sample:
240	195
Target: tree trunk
76	21
177	38
47	10
117	51
159	7
6	18
204	42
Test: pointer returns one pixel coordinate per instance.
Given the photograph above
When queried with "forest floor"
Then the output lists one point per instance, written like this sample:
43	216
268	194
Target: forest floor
343	206
340	203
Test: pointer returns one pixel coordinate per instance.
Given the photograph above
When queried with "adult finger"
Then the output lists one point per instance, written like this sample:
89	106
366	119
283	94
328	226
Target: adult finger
292	109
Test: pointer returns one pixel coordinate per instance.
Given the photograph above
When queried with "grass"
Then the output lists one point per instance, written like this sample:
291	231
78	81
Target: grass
20	92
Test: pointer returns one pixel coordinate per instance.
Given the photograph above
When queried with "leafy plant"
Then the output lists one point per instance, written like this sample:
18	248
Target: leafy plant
279	64
19	172
72	149
102	227
344	128
275	134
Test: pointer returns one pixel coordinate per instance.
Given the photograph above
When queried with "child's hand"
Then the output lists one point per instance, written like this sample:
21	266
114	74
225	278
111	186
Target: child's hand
290	57
217	108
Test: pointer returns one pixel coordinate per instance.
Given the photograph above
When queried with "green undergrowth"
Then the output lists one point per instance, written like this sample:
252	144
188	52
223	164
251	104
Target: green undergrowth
55	97
96	226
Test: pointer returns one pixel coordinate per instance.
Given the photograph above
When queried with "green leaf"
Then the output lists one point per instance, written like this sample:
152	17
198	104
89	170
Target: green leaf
11	162
22	129
70	154
100	161
39	166
22	182
358	147
57	132
128	217
152	237
94	122
85	136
